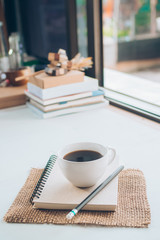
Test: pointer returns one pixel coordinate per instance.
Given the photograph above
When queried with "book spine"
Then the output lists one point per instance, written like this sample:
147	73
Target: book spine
44	176
97	93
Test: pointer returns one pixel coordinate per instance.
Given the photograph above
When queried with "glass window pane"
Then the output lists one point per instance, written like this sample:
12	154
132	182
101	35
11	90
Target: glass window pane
131	34
82	27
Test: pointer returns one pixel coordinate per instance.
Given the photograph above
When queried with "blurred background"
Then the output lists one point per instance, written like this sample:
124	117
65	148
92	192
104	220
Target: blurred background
131	32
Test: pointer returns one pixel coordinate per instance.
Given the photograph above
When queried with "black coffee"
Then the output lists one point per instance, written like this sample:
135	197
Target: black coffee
82	156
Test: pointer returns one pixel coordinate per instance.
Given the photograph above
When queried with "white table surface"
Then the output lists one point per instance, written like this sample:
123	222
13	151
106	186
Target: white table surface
26	142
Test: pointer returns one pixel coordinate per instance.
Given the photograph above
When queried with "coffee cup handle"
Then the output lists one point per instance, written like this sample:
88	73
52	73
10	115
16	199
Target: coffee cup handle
113	152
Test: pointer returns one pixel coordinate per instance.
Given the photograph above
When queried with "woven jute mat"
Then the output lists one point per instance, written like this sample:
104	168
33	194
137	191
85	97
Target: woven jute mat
132	210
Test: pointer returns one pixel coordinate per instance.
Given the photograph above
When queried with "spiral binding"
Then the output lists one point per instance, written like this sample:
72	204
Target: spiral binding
44	176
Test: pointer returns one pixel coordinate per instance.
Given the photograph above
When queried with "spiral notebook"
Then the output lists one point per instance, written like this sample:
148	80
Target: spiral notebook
54	191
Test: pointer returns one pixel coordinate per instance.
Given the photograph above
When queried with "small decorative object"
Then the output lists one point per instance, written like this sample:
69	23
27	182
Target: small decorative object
15	51
60	65
21	72
11	65
55	71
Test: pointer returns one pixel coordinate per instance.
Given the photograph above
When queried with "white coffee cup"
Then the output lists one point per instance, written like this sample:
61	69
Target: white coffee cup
85	174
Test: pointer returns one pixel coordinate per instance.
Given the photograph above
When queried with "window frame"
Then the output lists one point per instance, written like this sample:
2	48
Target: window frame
95	50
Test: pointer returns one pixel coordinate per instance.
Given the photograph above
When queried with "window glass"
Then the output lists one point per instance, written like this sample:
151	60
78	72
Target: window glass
131	32
131	43
82	27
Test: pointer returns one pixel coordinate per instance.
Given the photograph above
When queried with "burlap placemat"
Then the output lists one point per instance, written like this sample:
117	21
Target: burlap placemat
132	210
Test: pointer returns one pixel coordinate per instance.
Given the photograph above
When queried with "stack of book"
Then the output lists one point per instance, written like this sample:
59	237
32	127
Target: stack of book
54	96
